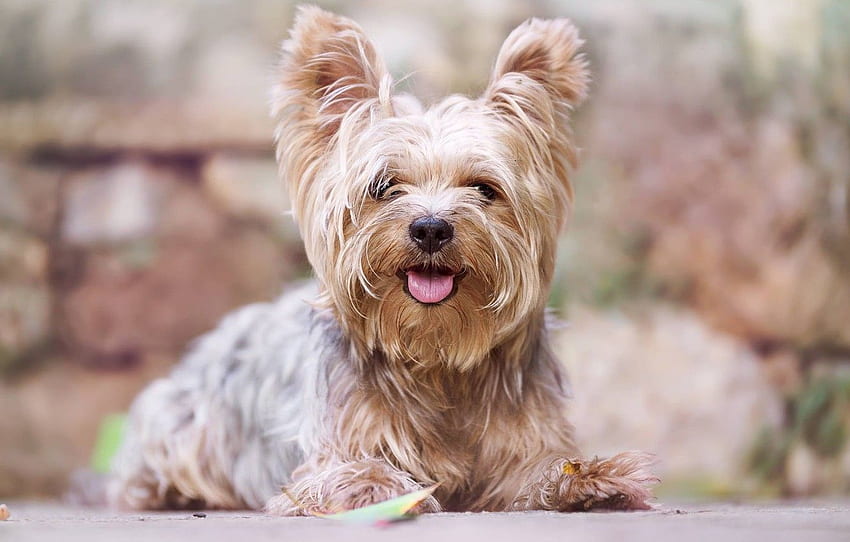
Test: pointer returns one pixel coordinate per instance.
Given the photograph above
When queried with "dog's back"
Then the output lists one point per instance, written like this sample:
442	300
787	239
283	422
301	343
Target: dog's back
232	421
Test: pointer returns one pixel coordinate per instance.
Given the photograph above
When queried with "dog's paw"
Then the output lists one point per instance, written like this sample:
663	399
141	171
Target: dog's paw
346	486
285	505
622	482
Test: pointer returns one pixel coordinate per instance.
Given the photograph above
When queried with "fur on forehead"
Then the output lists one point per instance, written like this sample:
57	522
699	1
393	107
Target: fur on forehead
333	86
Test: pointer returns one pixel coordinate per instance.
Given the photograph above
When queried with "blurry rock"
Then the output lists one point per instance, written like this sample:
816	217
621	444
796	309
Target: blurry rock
24	298
93	74
734	186
22	257
844	467
24	322
802	470
779	30
749	251
157	263
134	201
159	292
186	214
662	381
118	204
148	261
246	187
107	48
784	370
156	125
808	474
30	197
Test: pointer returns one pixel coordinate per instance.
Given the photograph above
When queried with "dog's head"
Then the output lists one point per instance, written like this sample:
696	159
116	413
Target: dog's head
432	233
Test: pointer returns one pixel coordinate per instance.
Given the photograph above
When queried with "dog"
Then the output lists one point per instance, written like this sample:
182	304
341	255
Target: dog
419	355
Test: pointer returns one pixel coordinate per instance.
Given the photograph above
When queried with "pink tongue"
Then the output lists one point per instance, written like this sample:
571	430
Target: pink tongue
428	287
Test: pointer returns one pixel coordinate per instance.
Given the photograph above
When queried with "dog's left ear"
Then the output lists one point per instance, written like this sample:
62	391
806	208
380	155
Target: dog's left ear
539	73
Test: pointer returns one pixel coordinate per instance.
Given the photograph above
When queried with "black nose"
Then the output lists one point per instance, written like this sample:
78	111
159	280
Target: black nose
431	234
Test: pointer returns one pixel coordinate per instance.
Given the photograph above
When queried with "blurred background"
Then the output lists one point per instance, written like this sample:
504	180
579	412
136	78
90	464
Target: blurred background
705	275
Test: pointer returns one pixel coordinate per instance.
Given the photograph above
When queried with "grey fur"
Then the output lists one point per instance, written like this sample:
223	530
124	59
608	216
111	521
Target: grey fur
236	416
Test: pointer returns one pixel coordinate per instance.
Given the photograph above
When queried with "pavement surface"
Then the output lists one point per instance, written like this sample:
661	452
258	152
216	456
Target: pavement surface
723	522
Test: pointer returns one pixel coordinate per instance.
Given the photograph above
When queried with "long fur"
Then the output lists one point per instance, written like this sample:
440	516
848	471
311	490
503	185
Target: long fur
348	391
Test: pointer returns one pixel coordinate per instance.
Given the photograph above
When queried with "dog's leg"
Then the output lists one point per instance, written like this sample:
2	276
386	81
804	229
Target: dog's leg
345	485
621	482
171	460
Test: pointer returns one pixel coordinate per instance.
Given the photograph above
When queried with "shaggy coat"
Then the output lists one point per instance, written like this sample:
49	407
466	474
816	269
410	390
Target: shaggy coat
412	359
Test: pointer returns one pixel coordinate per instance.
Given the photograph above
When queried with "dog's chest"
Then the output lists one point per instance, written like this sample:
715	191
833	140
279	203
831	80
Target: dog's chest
436	439
468	450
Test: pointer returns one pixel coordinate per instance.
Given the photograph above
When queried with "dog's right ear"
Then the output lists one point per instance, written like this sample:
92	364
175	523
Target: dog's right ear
330	77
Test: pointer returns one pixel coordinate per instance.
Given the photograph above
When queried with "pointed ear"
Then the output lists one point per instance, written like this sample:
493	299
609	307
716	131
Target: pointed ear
539	76
329	70
329	66
539	68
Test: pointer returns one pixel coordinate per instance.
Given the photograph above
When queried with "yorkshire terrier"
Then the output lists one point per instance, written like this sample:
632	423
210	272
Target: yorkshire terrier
420	355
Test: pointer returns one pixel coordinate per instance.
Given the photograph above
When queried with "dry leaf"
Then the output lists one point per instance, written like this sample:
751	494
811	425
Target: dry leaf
571	467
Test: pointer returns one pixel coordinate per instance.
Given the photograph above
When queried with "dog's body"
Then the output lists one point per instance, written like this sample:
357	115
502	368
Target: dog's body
236	417
420	355
246	407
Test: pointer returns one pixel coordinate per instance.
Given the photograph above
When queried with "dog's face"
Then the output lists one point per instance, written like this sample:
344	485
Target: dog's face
431	232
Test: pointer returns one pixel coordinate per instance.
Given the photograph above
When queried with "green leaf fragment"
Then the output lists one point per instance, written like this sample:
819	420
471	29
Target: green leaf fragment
384	512
109	438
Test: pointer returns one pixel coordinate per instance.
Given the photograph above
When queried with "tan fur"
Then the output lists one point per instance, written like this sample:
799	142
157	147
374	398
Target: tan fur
339	131
461	393
374	394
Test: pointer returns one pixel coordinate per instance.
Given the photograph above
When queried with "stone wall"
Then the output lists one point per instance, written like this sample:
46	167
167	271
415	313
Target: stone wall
706	272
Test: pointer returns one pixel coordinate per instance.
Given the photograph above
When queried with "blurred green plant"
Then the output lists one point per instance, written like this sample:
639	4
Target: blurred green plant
109	438
818	418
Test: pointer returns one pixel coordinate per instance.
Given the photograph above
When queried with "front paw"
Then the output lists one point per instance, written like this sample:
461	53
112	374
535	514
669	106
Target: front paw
621	482
287	504
346	486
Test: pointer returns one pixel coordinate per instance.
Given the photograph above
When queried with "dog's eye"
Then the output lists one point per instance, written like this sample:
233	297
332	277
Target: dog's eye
382	187
485	190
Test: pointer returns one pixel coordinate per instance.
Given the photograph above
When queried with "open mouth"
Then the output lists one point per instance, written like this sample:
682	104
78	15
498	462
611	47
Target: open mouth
430	284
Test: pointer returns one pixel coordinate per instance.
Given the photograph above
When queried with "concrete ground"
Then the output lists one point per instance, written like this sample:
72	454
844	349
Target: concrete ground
800	521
